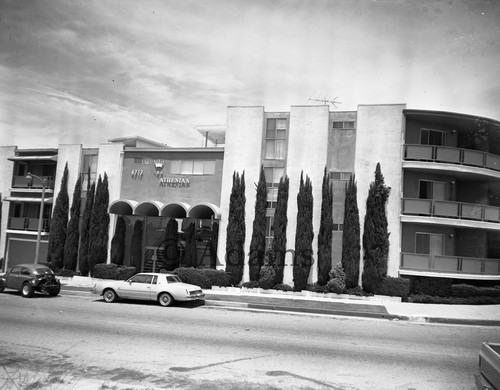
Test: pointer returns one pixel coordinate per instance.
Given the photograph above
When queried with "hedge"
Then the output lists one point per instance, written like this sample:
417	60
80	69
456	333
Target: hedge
113	271
477	300
467	290
203	277
394	287
420	285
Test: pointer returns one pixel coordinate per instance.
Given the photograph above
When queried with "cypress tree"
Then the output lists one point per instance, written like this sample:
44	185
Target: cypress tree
170	248
213	244
279	227
325	232
59	224
118	241
258	243
84	240
99	225
191	255
303	235
351	246
375	234
235	241
136	246
73	236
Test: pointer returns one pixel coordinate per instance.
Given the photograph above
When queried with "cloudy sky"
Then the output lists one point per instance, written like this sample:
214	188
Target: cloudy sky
83	71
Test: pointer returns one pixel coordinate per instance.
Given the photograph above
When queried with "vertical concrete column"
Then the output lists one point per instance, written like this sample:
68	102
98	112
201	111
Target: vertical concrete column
6	173
242	152
307	152
380	136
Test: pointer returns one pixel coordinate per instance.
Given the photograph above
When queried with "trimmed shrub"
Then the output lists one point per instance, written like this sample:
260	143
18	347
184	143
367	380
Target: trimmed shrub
421	285
336	284
113	271
283	287
479	300
394	287
267	276
466	290
217	277
316	287
251	284
193	276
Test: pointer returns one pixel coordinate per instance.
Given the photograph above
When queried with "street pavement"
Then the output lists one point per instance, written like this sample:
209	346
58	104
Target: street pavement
381	307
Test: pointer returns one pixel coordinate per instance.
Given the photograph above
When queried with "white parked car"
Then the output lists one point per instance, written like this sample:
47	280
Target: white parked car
164	288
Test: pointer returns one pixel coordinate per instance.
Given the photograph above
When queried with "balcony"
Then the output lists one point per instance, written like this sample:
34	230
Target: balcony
22	182
29	224
448	209
443	154
455	265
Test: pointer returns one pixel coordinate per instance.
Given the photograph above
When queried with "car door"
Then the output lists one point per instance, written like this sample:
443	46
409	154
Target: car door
12	279
137	287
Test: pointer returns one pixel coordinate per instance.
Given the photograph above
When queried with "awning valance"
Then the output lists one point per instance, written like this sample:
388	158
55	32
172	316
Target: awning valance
33	158
29	200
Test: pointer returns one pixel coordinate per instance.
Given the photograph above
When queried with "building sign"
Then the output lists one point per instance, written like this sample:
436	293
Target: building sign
174	182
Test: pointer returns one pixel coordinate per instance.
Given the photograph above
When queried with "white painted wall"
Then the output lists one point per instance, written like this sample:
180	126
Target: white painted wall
307	152
243	148
6	171
380	137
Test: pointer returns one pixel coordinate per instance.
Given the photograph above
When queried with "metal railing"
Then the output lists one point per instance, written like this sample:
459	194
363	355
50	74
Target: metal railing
444	154
449	209
23	223
450	264
23	182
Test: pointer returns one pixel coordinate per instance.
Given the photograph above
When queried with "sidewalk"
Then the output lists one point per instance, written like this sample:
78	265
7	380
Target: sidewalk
382	307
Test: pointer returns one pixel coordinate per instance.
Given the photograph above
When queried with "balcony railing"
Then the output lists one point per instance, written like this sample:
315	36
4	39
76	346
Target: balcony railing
450	264
448	209
449	155
31	224
22	182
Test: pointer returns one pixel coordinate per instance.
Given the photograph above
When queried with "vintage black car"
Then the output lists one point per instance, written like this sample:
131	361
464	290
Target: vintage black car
31	278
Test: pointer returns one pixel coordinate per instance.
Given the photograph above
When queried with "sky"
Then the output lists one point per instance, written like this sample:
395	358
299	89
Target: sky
86	71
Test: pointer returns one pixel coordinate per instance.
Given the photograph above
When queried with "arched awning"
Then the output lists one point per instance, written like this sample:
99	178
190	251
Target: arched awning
123	206
204	211
175	210
148	208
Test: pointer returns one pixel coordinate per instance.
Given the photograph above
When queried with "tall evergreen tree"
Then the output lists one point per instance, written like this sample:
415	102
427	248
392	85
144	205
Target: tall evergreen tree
118	241
303	235
191	255
325	231
136	246
213	244
279	228
59	224
351	243
375	234
99	225
171	249
258	243
235	240
73	236
83	254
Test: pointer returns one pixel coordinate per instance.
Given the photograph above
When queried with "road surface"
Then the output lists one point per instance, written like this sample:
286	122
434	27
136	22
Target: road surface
82	342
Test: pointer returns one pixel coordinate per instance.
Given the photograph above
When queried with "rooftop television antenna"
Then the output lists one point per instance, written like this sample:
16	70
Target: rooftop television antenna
325	101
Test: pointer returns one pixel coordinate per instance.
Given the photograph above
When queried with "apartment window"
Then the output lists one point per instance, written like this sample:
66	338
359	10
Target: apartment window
273	176
192	167
429	244
276	139
432	190
269	231
345	176
89	161
338	227
432	137
343	125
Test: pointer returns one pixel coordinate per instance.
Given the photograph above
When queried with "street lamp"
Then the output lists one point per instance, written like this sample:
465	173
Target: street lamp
30	177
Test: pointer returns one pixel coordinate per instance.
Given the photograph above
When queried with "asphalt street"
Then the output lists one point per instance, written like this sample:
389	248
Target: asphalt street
82	342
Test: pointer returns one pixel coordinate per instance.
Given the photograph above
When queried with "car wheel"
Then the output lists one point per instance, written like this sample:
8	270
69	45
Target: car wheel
27	291
2	287
109	295
54	292
165	299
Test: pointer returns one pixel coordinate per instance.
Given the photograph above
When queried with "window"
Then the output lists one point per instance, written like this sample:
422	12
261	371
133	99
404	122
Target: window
338	227
89	161
269	230
192	167
432	190
432	137
273	176
346	176
276	139
339	125
429	244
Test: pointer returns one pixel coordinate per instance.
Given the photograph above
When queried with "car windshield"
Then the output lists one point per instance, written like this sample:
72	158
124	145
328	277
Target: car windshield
43	271
173	279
